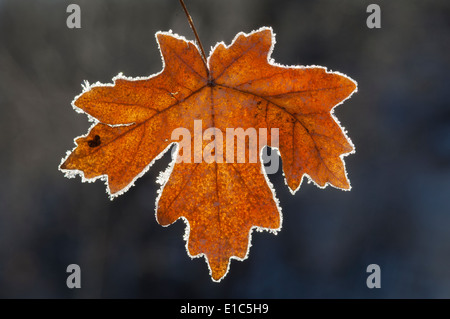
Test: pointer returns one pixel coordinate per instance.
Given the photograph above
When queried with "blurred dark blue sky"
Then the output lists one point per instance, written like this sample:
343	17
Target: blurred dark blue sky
397	214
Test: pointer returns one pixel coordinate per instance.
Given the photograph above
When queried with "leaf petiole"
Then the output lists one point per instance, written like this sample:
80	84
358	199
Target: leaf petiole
191	23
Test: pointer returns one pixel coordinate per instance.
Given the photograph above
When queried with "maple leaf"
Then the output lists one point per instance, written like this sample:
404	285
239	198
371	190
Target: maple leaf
242	87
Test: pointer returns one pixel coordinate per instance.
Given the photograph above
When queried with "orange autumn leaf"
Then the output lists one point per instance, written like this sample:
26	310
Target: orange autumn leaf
221	202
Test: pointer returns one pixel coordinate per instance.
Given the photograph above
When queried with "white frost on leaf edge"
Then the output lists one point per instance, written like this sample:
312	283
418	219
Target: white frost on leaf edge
165	175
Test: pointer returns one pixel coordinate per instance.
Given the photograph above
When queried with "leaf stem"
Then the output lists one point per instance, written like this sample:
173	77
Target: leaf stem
191	23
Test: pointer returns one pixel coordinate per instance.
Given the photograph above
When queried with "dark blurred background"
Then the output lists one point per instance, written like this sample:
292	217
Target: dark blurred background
397	214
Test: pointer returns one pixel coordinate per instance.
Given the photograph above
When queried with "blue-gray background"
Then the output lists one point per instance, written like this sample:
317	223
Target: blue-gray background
397	214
